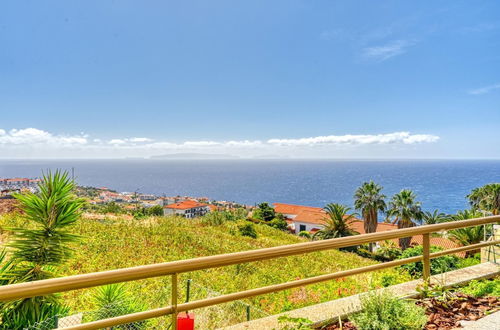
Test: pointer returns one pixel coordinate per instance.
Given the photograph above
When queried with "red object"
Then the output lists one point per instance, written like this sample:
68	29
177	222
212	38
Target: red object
185	321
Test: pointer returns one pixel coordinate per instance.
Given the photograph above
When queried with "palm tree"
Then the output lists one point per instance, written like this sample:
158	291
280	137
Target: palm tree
468	235
337	222
405	210
36	251
370	201
486	198
434	217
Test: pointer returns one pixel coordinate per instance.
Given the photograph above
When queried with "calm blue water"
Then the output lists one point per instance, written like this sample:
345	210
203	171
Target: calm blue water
439	184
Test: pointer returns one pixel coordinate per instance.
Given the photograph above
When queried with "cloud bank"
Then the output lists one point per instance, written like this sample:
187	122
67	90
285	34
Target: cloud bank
25	141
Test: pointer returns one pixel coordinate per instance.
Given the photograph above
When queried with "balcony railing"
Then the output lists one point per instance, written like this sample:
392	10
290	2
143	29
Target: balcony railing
173	269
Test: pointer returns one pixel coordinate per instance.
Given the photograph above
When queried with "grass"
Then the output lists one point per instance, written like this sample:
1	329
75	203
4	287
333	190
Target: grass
110	243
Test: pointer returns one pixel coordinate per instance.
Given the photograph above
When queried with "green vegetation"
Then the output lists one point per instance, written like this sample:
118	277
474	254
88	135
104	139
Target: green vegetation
405	210
431	218
337	223
370	201
486	198
40	250
113	300
438	265
383	311
120	243
248	229
482	288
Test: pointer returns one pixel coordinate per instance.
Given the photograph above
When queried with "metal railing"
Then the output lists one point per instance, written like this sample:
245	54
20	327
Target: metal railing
173	269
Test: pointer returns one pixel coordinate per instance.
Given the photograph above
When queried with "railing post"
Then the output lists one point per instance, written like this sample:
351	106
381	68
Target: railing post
426	258
174	300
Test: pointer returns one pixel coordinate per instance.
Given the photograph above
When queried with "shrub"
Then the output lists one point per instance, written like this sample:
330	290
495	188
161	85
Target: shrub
482	288
305	234
156	210
438	265
388	252
279	222
471	261
248	229
383	311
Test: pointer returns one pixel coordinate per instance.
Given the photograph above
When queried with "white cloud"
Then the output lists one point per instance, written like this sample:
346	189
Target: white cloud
484	90
20	142
140	139
34	136
387	51
397	137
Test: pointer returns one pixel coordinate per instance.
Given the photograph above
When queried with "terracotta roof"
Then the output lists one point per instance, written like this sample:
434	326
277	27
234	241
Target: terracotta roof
292	208
311	216
185	205
212	207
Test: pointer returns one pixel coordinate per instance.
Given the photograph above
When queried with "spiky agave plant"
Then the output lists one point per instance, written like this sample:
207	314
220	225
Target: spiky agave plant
38	250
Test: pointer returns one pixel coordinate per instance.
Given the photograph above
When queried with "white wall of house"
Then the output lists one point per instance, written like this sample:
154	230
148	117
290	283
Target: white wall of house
300	226
187	213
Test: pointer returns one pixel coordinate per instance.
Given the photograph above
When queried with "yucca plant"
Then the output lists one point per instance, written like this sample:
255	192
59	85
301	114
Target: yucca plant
112	300
38	250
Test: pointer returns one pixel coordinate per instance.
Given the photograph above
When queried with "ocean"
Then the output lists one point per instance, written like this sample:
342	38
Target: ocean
439	184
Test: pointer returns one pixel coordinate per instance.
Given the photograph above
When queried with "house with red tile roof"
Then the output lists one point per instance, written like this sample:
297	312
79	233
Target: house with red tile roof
311	219
187	209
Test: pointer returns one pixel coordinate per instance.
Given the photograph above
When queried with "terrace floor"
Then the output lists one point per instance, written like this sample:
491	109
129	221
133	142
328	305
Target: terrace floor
332	310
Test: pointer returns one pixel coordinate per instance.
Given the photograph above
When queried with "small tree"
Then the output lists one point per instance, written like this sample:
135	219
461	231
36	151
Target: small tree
265	212
38	250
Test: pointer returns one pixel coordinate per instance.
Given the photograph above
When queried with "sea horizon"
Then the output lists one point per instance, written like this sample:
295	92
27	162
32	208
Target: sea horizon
439	184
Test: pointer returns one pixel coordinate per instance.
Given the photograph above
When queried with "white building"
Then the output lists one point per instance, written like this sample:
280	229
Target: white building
187	209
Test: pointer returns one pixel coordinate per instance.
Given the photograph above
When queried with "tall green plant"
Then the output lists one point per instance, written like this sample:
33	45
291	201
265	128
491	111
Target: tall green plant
337	222
40	248
370	201
405	210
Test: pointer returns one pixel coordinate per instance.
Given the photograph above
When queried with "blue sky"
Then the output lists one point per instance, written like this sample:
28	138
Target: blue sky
335	79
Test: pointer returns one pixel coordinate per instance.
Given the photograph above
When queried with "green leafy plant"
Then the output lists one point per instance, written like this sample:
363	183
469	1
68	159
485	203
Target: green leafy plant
41	247
294	323
305	234
438	265
383	311
482	288
248	229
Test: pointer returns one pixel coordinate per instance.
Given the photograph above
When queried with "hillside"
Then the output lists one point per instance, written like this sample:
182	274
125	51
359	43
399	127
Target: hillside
110	243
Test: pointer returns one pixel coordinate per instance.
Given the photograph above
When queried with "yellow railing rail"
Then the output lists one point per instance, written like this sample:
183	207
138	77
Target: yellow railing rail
44	287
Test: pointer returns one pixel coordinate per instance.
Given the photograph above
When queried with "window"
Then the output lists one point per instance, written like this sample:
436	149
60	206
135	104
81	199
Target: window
302	227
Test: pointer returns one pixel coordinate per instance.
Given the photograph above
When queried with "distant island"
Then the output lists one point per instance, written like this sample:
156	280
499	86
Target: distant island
195	156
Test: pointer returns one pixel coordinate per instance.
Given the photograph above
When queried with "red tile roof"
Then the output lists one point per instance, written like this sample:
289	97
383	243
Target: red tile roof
311	216
185	205
292	208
